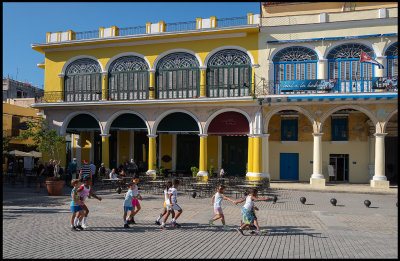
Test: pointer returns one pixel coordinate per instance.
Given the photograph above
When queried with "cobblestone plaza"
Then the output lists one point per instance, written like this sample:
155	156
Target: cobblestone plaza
37	226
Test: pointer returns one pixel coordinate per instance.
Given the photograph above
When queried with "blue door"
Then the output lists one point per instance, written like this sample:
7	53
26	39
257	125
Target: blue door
289	166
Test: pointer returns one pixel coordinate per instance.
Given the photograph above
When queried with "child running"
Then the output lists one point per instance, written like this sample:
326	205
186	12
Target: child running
168	185
76	206
86	190
216	201
128	203
248	211
135	201
172	205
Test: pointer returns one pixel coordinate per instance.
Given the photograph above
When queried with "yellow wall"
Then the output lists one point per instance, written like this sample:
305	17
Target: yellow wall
358	152
85	146
123	146
212	152
56	60
166	149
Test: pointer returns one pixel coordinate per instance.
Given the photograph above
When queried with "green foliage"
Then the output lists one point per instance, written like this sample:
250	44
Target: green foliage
246	168
6	142
194	171
211	171
45	139
161	170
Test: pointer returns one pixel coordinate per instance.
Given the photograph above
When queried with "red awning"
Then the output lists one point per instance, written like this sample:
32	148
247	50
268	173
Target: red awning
229	124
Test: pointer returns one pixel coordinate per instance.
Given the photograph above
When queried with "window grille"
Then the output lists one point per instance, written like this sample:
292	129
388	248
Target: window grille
289	129
229	74
82	81
392	60
128	79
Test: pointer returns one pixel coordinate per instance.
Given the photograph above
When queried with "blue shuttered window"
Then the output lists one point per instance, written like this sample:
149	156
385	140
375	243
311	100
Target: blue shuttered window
339	129
289	130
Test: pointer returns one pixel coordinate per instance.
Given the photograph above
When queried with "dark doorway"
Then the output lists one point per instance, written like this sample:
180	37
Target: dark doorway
68	149
340	163
140	152
234	155
391	159
113	146
188	147
97	149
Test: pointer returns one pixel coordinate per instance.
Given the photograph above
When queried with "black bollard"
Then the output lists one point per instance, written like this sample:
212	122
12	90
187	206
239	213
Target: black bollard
333	201
367	203
303	200
275	199
194	194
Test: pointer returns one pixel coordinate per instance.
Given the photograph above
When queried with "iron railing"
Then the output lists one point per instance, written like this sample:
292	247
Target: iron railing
180	26
87	35
233	21
132	30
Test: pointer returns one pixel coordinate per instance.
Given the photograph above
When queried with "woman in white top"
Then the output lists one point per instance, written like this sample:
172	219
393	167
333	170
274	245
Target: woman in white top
248	210
216	201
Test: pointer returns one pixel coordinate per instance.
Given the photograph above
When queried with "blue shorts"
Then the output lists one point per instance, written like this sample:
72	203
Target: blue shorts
126	209
75	209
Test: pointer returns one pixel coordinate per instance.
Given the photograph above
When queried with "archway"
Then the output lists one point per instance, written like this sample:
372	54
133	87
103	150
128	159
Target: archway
228	132
178	142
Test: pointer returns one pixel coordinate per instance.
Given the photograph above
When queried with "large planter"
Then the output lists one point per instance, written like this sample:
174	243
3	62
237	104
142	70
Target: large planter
54	188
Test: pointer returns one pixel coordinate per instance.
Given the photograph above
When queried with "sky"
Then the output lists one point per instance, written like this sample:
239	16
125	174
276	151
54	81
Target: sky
27	23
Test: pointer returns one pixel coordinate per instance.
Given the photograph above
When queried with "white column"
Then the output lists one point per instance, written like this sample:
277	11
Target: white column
379	180
380	72
371	152
317	178
265	153
174	152
219	152
322	70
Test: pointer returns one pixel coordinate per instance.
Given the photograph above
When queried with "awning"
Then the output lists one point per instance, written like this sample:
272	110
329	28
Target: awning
18	153
36	154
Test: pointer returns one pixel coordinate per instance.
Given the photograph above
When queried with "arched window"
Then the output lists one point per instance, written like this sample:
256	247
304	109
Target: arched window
82	81
178	76
229	74
128	79
344	65
294	63
392	60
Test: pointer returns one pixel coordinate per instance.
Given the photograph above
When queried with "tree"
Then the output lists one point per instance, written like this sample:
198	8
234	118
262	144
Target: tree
45	139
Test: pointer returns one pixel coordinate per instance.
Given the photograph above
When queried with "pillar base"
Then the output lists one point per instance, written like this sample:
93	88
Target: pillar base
381	184
317	183
202	176
256	176
151	172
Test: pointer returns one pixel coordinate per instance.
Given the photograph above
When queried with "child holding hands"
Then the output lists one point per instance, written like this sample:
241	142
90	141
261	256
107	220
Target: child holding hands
216	201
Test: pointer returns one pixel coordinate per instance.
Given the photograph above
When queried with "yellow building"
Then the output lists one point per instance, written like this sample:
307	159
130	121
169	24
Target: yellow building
220	92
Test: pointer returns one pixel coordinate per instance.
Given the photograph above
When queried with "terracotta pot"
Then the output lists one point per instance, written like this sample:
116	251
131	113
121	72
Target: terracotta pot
54	188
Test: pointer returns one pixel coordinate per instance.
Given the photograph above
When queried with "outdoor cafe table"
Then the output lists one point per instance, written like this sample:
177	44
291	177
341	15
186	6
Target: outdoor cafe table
157	183
112	181
201	186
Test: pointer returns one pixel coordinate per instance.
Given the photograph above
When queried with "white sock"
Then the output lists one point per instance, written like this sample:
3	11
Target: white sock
84	220
159	218
76	220
163	224
173	220
127	218
79	223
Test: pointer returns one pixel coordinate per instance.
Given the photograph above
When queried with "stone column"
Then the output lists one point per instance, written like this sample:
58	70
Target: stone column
371	149
203	81
59	97
379	180
104	86
380	72
203	173
152	84
322	69
152	155
105	150
317	178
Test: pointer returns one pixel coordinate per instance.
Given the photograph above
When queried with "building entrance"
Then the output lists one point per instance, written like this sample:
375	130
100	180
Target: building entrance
188	147
234	155
340	163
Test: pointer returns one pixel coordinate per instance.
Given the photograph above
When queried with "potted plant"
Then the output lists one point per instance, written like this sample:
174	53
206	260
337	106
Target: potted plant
54	186
194	170
211	171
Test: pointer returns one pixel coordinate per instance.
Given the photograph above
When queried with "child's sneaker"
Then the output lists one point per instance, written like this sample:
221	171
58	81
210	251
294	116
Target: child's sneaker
173	224
240	231
211	222
84	225
226	228
126	226
73	228
158	223
79	227
163	227
177	225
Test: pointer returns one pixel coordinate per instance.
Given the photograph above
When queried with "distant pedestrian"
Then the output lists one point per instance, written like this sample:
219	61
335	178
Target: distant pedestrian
85	190
132	167
50	169
56	166
93	169
85	170
76	219
40	175
216	201
221	173
102	171
128	204
248	214
168	185
73	168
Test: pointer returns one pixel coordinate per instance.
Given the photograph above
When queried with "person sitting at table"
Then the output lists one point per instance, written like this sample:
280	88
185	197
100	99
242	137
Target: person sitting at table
113	174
